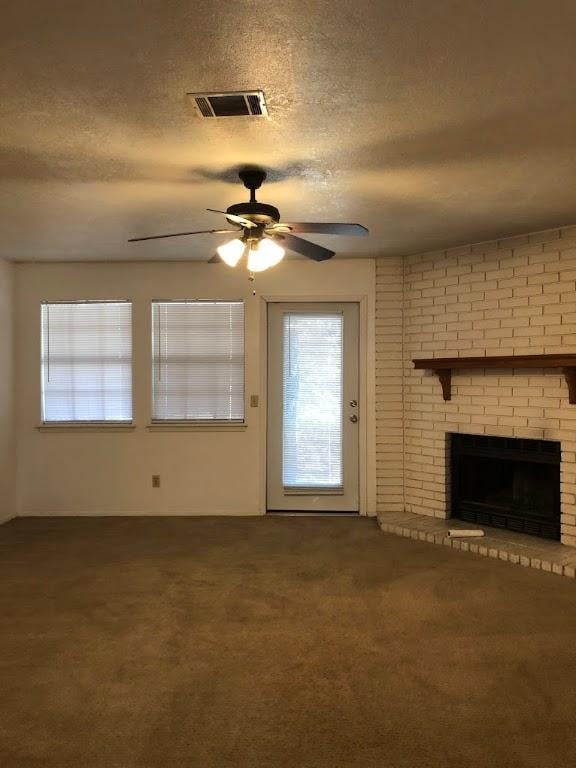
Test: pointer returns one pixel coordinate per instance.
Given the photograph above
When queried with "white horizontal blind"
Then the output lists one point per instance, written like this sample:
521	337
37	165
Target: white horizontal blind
313	398
87	361
198	354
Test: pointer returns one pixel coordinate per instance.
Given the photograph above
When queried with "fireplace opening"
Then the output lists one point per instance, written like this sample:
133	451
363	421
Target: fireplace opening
505	482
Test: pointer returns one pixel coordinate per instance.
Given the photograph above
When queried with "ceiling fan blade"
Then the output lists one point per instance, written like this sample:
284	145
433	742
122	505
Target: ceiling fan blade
306	248
183	234
232	217
326	228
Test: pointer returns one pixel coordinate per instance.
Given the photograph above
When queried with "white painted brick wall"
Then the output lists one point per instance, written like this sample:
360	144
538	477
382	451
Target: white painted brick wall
512	296
389	416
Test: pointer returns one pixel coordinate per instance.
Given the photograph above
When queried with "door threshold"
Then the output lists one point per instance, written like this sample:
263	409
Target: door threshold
305	513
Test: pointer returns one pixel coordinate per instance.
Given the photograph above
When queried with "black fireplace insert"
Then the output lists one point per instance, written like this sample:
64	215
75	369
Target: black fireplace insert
506	482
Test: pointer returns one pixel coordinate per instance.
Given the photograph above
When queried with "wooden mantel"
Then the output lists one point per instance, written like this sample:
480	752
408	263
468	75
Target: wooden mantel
443	367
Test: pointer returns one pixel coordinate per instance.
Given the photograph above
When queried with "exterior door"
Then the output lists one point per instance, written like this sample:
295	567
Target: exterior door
313	407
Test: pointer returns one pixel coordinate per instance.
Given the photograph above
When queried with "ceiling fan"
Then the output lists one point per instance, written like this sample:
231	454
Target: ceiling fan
260	233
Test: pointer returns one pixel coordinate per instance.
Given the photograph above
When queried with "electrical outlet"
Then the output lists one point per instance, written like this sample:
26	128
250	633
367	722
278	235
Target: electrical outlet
155	481
253	401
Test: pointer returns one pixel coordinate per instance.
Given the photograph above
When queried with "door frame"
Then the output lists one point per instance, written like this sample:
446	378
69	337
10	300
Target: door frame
366	388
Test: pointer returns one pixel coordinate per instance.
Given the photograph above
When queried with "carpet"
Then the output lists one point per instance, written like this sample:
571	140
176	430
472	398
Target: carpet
278	642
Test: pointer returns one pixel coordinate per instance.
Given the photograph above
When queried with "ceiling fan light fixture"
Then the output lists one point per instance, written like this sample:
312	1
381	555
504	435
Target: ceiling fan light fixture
231	252
264	255
273	252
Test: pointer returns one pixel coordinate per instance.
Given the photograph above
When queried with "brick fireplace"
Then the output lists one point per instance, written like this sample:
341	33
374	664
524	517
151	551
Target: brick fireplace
515	296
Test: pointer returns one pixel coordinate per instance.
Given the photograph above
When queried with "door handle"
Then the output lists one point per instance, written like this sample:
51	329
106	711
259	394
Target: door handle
354	418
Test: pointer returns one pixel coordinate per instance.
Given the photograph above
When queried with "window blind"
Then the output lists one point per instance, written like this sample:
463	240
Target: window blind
313	400
198	360
87	361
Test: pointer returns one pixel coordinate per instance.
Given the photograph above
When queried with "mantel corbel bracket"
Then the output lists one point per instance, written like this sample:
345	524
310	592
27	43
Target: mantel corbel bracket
445	376
570	375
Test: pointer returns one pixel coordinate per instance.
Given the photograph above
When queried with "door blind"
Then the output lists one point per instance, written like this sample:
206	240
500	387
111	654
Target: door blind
198	354
312	401
87	361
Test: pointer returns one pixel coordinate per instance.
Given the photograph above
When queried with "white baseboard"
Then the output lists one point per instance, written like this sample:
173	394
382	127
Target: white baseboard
169	513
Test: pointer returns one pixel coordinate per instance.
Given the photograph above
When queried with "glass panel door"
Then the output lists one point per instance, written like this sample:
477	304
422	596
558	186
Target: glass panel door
313	407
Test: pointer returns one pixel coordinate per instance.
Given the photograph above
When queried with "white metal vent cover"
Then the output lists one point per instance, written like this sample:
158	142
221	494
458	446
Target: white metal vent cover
235	104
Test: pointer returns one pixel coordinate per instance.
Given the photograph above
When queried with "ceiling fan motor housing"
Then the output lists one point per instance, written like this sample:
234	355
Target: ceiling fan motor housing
259	213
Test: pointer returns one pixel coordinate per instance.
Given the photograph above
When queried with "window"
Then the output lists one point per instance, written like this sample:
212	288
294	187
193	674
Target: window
198	361
313	400
87	361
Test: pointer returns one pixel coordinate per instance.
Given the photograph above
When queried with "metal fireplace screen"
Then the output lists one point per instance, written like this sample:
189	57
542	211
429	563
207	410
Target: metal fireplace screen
511	483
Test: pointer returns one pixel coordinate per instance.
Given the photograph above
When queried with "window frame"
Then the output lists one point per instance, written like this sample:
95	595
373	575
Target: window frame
90	425
166	425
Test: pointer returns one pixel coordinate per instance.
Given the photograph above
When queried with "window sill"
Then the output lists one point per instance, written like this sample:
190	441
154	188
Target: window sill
85	426
194	426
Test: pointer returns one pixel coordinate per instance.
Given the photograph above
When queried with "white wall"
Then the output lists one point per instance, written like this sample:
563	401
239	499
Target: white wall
202	472
7	444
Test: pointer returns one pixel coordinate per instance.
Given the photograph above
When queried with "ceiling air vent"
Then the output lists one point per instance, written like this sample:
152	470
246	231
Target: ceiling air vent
239	104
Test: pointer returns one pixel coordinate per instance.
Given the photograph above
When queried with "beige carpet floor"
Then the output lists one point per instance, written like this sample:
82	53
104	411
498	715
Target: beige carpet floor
276	643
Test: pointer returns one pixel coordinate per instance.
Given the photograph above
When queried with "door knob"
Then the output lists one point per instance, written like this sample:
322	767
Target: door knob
354	418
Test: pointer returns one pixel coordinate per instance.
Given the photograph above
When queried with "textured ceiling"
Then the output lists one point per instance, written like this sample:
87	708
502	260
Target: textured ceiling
432	123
